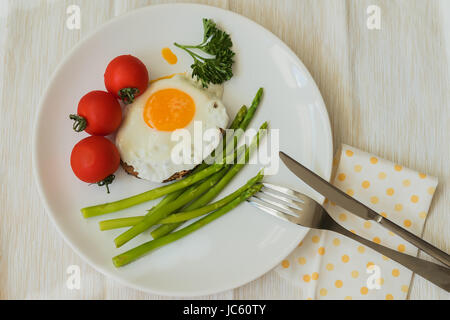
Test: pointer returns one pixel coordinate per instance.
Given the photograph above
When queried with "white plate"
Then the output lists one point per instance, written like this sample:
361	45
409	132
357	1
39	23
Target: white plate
242	245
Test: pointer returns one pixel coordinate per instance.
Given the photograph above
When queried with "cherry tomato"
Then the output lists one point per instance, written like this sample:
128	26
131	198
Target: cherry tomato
99	114
126	77
94	160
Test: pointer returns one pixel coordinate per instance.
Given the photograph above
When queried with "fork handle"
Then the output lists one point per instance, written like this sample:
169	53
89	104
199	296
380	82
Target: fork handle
415	240
433	272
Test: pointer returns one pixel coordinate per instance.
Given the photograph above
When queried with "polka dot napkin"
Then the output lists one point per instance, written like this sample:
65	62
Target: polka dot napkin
327	265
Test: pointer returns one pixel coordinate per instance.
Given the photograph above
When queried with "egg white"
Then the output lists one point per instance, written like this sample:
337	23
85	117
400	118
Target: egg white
149	150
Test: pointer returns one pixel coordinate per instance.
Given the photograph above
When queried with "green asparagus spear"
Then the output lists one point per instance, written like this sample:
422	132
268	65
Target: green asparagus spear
214	191
243	125
119	223
135	253
184	215
188	215
150	195
171	197
251	111
240	115
131	221
163	211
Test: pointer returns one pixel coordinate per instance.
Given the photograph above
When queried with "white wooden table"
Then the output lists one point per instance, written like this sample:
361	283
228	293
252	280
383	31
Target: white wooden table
387	91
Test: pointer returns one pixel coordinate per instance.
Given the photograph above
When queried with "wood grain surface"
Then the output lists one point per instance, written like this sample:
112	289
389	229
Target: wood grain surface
387	91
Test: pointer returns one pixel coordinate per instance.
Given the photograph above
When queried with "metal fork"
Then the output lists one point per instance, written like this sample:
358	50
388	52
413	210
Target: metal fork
300	209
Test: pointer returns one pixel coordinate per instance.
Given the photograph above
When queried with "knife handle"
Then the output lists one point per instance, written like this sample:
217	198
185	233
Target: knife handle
431	271
416	241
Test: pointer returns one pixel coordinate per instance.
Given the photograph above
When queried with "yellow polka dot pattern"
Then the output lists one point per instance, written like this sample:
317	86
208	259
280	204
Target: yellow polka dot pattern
374	199
382	175
333	267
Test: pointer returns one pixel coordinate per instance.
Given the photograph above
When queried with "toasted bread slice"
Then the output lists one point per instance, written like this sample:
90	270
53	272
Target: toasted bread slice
176	176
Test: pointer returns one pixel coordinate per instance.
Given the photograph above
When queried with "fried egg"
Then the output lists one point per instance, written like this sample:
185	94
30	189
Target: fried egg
145	140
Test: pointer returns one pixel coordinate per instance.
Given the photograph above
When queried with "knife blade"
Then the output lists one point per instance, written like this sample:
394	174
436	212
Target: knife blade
328	190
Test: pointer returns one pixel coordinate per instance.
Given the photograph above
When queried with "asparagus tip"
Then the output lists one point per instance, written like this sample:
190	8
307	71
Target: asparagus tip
265	125
261	173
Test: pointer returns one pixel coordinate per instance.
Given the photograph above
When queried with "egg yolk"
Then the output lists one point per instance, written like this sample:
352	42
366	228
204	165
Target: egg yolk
169	110
170	76
169	56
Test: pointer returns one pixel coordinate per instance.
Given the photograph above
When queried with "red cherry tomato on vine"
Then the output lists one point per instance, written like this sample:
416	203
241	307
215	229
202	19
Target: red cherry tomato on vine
94	160
99	114
126	77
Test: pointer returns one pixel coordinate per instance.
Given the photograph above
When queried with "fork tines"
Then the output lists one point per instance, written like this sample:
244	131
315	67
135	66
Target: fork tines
279	201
